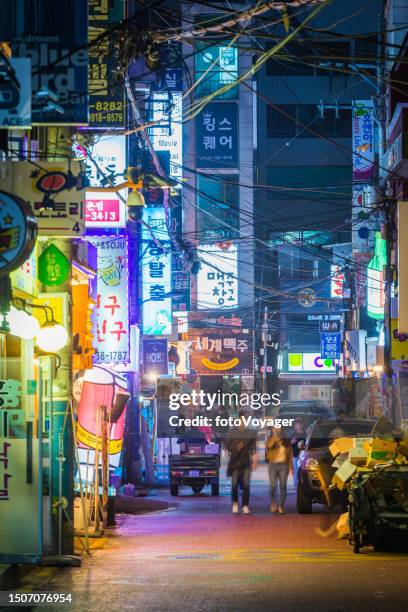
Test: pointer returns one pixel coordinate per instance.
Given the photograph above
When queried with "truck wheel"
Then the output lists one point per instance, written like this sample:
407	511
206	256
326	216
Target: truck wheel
215	489
197	487
303	503
174	489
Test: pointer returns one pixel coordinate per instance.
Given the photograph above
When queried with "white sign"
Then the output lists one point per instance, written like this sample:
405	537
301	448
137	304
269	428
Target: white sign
336	281
318	393
111	315
217	282
104	210
25	277
54	192
156	273
310	362
15	93
169	137
107	160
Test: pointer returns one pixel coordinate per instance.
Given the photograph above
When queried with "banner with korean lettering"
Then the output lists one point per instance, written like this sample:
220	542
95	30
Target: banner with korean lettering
111	318
167	109
363	140
53	190
54	36
217	280
156	273
226	347
107	94
217	136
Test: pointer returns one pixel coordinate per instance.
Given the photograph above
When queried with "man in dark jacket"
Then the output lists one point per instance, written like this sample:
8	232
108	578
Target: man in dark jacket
241	444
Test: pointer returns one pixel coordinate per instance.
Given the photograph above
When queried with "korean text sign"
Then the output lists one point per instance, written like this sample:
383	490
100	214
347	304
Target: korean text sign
217	279
227	350
168	134
156	273
107	99
363	140
111	318
54	192
217	136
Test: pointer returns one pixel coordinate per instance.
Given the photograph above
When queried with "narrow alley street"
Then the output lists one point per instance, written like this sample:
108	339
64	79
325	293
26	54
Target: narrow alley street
198	556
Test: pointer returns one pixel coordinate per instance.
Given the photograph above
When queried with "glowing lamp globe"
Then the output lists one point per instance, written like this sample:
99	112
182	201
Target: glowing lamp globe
22	324
52	337
30	329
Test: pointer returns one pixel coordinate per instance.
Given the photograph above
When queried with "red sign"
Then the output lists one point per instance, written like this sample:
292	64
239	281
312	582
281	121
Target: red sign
102	210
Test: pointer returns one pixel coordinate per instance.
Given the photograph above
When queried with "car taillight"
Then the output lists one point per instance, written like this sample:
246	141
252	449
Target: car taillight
177	473
210	473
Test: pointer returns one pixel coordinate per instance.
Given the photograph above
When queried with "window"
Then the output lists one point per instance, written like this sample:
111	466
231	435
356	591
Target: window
333	124
223	71
217	217
324	182
311	58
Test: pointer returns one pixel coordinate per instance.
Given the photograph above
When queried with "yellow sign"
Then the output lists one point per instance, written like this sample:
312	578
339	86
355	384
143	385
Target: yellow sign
58	302
399	343
93	441
226	365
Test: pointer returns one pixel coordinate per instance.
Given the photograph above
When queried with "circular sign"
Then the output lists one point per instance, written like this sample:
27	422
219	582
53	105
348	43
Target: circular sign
18	231
307	297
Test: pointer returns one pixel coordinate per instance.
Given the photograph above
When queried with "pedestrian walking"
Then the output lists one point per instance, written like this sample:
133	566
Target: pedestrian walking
279	456
297	441
241	444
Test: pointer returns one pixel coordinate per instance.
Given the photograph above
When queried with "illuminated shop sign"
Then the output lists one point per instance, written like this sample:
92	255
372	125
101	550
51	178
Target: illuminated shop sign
226	348
111	319
217	136
168	134
376	279
54	192
106	163
156	273
363	140
217	280
104	210
310	362
107	103
337	279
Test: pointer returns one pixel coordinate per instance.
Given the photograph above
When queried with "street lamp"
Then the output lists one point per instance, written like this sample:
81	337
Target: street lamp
52	337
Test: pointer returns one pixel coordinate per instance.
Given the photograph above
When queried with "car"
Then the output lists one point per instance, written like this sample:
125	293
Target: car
314	468
318	409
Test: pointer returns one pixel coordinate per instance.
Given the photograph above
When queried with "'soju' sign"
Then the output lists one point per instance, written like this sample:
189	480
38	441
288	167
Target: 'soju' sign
18	231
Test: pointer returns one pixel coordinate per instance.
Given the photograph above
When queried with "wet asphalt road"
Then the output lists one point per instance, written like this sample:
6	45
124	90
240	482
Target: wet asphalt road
200	557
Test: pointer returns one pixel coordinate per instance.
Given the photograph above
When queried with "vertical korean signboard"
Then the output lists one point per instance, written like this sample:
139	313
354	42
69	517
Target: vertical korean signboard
107	97
168	134
217	136
217	280
111	319
156	273
54	36
363	140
